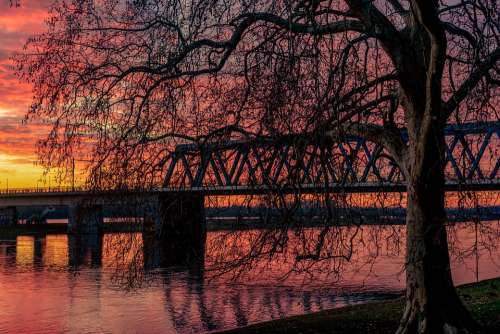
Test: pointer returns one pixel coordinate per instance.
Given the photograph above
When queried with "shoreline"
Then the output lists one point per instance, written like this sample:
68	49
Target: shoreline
212	224
481	298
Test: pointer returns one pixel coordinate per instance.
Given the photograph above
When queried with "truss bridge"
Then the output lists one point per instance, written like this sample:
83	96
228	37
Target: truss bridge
353	165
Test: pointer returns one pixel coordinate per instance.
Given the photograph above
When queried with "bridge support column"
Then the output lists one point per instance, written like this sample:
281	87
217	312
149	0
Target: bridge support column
85	219
179	226
8	216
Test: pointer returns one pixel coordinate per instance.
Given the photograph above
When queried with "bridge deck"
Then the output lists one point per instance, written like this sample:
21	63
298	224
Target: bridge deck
65	196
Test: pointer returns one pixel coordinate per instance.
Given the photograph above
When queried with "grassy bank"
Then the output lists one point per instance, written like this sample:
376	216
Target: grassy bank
483	299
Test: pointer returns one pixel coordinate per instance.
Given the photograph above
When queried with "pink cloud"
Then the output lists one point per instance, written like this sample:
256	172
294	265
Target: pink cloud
16	25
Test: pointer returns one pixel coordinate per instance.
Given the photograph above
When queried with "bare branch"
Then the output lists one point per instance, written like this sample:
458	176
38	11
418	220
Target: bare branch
389	138
332	28
378	25
470	83
453	29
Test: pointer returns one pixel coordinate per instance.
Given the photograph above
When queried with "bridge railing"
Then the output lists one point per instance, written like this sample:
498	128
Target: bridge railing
62	189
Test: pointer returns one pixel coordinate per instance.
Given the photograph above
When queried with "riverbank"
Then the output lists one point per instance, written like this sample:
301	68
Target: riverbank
483	299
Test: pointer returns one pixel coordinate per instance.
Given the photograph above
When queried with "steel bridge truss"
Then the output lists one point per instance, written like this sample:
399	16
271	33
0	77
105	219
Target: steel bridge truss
355	164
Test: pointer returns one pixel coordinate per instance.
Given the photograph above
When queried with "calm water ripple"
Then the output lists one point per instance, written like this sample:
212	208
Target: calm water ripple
55	284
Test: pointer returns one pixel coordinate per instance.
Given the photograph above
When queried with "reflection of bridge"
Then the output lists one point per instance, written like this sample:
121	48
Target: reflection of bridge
186	300
253	167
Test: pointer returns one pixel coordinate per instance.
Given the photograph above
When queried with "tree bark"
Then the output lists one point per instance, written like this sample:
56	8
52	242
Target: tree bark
432	303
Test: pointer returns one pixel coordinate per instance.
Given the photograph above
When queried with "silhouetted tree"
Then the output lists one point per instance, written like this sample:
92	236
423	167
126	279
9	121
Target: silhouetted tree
124	81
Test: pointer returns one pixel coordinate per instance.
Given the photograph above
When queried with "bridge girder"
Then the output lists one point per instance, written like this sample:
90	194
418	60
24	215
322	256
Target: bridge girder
472	162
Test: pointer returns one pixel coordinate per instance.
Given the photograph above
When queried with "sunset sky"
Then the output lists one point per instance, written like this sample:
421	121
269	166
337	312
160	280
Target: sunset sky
17	140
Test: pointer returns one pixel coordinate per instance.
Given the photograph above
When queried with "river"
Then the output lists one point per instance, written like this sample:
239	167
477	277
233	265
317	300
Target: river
109	284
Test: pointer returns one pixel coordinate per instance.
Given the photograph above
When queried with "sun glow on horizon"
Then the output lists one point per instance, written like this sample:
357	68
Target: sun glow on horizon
23	172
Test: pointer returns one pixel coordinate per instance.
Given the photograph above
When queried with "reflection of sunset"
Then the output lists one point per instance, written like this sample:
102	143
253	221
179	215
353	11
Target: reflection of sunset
177	301
377	262
25	250
56	250
125	247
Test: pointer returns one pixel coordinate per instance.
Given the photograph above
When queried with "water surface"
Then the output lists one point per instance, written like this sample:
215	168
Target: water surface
110	283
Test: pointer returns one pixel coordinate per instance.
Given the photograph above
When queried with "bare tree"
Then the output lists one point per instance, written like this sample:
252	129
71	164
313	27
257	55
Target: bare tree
124	81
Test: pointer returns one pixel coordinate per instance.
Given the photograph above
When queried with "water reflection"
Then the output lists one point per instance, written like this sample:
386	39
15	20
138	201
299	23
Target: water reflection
85	249
116	282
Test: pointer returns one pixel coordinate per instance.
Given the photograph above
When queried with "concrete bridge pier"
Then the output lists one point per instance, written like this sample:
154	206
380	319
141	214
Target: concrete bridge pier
87	219
8	216
179	227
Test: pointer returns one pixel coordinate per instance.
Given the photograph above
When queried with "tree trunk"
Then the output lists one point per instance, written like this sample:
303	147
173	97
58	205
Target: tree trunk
432	303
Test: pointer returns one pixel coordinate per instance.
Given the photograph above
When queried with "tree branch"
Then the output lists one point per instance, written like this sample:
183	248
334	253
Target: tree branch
244	22
398	7
378	25
454	30
300	28
389	138
470	83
